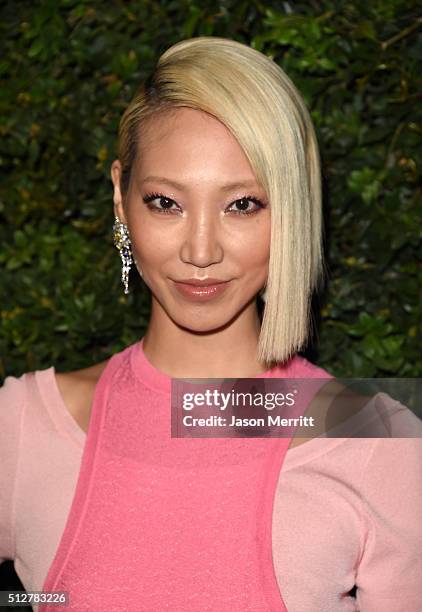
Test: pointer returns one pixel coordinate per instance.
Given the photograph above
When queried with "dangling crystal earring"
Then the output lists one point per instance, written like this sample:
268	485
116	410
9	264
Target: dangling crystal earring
122	242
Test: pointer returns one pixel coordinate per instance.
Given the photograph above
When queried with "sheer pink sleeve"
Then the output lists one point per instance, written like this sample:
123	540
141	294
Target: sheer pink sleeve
390	571
12	398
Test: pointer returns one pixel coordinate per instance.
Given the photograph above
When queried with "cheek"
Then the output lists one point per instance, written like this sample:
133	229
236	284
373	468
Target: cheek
255	247
153	247
259	259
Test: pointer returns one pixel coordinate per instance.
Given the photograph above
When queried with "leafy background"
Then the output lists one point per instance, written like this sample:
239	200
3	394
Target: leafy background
69	68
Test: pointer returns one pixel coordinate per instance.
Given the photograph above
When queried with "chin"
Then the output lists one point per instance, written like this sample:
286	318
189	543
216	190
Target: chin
204	327
203	322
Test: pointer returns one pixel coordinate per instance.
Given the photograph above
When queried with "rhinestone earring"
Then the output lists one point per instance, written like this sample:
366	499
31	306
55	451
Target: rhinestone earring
122	242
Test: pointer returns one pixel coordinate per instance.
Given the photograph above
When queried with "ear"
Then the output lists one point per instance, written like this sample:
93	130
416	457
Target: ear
116	175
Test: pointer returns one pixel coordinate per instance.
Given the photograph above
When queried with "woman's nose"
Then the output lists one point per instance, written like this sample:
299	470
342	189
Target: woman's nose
202	241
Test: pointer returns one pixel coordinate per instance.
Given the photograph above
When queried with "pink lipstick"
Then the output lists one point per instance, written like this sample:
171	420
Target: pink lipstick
200	291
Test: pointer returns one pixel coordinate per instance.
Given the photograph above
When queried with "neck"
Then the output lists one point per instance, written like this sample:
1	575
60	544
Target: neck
223	353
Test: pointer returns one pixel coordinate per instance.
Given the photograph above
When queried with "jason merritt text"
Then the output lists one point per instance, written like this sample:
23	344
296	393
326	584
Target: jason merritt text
218	421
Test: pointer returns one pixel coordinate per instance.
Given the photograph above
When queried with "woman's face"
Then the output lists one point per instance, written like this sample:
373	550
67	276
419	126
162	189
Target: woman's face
194	210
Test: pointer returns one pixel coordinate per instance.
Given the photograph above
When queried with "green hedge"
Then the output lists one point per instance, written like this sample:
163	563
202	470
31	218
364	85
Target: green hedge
68	70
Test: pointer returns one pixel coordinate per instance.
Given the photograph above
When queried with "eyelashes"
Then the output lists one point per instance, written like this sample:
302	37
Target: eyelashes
168	204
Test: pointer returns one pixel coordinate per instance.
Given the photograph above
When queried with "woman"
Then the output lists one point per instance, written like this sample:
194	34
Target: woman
217	203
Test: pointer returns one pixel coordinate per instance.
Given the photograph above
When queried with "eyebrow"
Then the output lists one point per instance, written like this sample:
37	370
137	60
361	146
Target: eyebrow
181	187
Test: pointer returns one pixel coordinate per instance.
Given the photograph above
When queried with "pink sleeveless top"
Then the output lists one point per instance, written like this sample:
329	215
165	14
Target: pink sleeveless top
162	523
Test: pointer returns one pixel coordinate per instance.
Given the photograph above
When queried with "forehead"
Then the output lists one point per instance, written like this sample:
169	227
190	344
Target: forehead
190	138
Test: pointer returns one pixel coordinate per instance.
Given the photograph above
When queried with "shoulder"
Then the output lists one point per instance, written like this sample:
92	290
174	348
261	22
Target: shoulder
302	367
84	376
12	386
77	391
12	398
330	401
393	475
391	498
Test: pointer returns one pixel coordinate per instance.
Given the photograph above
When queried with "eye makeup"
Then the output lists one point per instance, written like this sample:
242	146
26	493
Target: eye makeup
168	202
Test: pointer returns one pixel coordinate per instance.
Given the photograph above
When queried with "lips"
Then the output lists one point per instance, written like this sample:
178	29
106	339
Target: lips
199	291
206	282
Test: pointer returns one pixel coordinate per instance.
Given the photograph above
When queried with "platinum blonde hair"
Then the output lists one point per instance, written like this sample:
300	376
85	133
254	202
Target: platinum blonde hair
253	97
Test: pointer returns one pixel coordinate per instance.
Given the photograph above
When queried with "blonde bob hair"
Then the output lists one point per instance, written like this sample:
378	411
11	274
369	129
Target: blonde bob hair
252	96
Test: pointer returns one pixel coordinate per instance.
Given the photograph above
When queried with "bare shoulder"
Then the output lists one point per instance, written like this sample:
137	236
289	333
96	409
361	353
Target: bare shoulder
77	391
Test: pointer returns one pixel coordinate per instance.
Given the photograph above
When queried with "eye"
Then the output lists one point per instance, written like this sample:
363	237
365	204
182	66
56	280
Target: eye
244	204
164	206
